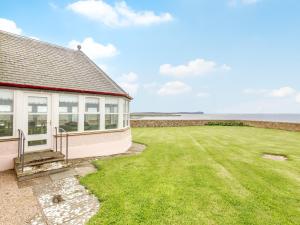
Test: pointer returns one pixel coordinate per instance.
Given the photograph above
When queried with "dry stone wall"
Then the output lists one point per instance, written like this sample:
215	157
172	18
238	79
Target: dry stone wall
183	123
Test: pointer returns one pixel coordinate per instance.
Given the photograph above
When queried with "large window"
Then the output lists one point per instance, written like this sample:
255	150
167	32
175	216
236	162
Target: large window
68	112
111	113
92	114
6	113
126	113
37	115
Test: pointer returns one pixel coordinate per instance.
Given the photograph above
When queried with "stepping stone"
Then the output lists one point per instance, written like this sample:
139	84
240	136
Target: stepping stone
77	205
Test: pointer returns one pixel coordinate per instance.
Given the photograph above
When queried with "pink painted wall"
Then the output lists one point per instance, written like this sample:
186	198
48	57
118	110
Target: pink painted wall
101	144
8	151
80	146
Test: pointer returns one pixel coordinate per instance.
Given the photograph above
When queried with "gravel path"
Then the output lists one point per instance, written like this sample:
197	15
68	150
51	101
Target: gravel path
17	205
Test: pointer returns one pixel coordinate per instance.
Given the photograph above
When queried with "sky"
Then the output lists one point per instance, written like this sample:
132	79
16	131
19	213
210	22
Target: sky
215	56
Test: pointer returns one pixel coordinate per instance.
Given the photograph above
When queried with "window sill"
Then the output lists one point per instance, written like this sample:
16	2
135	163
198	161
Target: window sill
77	133
5	139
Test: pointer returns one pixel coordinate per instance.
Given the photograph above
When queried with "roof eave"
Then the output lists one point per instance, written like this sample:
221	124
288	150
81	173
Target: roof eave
6	84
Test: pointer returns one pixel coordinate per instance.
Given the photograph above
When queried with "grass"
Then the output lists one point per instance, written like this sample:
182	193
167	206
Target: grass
201	175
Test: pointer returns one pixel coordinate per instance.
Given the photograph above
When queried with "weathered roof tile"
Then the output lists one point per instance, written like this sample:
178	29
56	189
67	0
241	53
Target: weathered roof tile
27	61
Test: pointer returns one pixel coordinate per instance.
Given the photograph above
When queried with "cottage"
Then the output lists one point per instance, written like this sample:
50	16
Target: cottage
56	101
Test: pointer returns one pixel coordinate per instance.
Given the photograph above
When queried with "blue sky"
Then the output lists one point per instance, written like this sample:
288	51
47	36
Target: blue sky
220	56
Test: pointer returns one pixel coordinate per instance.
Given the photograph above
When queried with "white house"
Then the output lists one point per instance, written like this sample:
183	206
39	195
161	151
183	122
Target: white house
44	89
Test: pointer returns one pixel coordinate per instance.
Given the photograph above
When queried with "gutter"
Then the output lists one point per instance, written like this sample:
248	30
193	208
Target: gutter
63	89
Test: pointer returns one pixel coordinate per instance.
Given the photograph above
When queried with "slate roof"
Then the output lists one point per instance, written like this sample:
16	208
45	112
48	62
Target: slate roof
25	61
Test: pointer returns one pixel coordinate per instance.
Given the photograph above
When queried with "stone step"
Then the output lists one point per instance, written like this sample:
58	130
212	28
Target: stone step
38	158
34	171
37	163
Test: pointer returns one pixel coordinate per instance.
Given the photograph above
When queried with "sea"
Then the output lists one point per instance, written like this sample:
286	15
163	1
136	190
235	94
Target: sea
291	118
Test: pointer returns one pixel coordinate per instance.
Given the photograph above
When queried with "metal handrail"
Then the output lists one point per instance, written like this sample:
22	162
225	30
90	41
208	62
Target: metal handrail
21	147
61	131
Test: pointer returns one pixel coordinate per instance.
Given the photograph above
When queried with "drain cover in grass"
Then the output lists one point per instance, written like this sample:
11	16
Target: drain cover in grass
276	157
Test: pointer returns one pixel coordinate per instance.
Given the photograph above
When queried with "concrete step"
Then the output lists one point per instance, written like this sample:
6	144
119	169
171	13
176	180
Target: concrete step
37	163
34	171
38	158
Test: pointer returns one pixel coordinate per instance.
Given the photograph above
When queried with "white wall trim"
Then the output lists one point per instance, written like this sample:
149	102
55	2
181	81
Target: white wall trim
20	110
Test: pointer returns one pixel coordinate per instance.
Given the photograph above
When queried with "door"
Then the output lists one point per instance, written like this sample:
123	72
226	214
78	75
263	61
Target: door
37	121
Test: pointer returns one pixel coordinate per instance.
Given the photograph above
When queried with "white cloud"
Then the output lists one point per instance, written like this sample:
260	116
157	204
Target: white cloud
117	15
202	94
195	67
129	77
9	26
173	88
93	49
283	92
129	83
298	98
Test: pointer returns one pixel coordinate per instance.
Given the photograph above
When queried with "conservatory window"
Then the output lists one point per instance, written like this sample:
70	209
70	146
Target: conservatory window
37	115
92	114
68	112
126	113
6	113
111	113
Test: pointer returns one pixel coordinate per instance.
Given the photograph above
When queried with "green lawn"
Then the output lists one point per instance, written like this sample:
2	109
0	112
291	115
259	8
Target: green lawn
201	175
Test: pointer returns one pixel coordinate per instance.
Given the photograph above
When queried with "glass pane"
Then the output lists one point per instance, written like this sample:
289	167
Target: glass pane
68	122
37	105
111	100
37	142
37	124
126	106
68	104
91	122
111	108
6	125
6	101
92	105
125	120
111	121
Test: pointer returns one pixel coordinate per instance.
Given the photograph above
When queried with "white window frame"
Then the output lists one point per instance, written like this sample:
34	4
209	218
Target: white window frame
93	113
18	111
79	122
32	137
126	113
117	113
10	113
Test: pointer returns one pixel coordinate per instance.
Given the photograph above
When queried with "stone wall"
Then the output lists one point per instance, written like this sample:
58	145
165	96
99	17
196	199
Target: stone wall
182	123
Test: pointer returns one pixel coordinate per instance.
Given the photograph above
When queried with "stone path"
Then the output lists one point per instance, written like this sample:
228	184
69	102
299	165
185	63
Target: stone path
62	200
76	205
